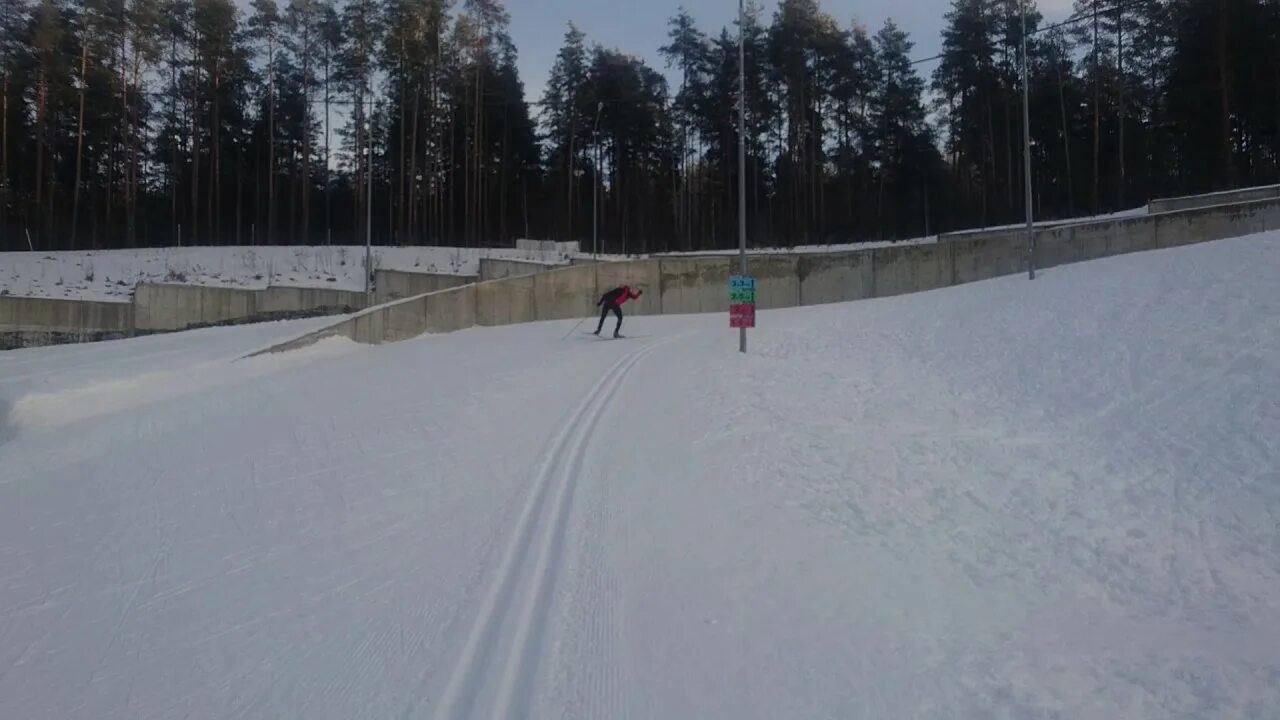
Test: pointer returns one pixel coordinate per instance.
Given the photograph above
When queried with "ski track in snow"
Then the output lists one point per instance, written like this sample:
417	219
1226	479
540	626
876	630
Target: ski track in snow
482	660
1001	500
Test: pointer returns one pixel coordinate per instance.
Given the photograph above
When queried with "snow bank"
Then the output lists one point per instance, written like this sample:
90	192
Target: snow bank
53	409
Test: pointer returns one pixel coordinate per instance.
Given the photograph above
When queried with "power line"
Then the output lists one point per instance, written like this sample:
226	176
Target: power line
1087	15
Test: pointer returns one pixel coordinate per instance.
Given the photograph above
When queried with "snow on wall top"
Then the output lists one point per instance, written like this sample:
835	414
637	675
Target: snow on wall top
110	275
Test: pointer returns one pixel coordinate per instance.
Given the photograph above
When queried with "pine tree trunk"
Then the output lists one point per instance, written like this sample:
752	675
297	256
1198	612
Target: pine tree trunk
1066	147
124	149
75	191
987	190
568	172
1224	95
173	143
237	240
1120	188
271	139
215	155
4	145
195	138
134	122
1010	181
42	99
358	195
403	206
502	185
1097	111
306	133
411	203
449	218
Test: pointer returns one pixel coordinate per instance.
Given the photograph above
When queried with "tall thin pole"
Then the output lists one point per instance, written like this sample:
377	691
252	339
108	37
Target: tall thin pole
1026	149
742	155
368	210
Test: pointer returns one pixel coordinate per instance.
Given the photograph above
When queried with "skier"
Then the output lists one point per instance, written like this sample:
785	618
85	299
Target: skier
612	302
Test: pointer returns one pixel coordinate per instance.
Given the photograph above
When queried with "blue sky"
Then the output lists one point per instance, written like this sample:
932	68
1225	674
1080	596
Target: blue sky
639	27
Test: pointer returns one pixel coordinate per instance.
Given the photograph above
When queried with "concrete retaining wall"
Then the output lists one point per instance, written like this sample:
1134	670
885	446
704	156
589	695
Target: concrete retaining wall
291	299
31	322
911	268
548	246
37	314
984	258
694	285
494	269
700	285
396	285
167	307
833	278
503	302
1228	197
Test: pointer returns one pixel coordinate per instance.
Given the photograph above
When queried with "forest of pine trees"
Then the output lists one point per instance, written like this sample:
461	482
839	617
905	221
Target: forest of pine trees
162	122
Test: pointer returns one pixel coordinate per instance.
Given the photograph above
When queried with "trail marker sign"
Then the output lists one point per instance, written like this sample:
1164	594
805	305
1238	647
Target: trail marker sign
742	301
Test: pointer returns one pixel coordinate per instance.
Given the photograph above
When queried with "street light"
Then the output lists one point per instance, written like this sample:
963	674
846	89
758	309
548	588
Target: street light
368	217
1026	149
742	156
595	189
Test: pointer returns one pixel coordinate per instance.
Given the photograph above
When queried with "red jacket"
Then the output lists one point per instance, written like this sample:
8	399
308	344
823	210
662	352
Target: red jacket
618	295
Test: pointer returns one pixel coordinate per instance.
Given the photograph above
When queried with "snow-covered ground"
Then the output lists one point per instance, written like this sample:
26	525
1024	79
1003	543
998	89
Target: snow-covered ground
1118	215
842	247
1009	499
112	274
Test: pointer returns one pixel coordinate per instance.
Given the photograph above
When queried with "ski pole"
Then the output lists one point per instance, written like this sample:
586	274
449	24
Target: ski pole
575	327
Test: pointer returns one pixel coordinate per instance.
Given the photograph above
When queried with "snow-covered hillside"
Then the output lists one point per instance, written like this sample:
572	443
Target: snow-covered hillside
112	274
1009	499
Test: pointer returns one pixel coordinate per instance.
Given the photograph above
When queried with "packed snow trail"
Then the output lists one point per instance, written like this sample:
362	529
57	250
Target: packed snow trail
1006	499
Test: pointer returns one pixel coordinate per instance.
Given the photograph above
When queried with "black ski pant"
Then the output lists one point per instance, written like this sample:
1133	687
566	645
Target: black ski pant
604	313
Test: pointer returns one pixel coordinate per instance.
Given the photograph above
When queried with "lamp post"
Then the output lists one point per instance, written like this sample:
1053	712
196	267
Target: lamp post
1026	149
742	156
368	214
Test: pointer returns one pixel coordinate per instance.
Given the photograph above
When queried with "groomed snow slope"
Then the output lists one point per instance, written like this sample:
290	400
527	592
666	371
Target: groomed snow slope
1002	500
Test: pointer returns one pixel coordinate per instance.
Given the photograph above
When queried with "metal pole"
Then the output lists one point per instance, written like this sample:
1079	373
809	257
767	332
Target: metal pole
742	155
1026	149
368	219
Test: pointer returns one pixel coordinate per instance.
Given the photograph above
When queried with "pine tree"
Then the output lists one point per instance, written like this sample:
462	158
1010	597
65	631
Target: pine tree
564	107
264	28
302	24
13	51
900	139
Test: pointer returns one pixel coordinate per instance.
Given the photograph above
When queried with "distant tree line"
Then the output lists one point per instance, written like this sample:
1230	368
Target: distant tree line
161	122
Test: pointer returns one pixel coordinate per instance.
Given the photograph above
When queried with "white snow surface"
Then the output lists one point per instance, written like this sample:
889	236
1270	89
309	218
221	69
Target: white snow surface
110	275
802	249
1010	499
1118	215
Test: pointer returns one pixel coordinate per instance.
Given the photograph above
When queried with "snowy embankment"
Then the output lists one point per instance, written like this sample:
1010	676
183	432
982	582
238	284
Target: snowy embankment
112	274
1056	498
804	249
1118	215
